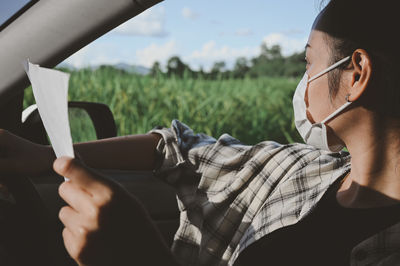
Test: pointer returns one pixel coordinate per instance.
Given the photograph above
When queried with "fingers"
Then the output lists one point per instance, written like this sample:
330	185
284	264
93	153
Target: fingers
80	175
79	199
70	219
73	233
78	232
90	197
73	244
73	169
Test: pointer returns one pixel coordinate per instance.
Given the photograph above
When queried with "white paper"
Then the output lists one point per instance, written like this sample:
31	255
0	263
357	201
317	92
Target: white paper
50	89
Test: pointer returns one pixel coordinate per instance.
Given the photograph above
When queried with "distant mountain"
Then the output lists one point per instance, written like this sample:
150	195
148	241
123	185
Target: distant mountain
141	70
66	65
132	68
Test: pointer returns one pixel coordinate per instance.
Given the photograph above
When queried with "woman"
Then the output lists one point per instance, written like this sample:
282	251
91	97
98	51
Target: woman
273	204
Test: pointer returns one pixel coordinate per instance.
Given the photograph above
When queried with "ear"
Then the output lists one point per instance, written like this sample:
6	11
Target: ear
361	75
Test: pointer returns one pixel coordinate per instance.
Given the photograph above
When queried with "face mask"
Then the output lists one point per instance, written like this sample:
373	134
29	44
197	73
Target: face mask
314	134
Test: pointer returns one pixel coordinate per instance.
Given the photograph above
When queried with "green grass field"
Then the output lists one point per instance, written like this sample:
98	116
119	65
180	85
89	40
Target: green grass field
251	110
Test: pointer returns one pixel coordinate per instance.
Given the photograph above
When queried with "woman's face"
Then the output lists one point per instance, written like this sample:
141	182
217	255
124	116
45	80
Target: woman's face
318	103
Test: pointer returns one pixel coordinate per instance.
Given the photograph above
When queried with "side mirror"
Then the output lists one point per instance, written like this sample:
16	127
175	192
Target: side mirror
98	114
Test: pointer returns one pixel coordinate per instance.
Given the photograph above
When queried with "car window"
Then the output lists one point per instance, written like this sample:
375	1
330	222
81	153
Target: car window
205	67
11	9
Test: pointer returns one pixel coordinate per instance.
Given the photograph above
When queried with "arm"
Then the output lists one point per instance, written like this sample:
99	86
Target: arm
135	152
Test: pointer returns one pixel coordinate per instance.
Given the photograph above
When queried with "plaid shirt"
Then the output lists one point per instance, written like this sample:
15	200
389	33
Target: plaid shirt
230	194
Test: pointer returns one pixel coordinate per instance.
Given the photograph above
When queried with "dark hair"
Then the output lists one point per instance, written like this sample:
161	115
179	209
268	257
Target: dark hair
369	25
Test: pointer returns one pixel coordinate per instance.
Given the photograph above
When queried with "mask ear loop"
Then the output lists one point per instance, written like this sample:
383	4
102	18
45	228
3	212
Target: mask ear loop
347	98
329	68
347	103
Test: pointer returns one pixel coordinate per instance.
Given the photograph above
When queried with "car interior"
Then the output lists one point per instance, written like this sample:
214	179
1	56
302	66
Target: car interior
47	32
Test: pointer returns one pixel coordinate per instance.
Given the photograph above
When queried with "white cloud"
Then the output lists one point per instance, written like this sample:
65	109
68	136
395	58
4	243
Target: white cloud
150	23
289	45
78	59
206	55
93	55
147	56
109	54
244	32
211	52
189	13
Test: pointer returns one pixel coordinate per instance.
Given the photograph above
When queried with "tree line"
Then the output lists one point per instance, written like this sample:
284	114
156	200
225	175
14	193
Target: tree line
270	62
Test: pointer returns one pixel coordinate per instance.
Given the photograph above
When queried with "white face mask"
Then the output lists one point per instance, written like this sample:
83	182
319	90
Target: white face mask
314	134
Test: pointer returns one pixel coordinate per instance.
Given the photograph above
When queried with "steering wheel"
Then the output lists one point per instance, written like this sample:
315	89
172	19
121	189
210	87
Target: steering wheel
27	228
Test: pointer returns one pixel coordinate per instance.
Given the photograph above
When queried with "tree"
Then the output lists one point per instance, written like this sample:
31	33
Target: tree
175	66
241	67
155	69
273	53
217	69
295	65
270	62
201	73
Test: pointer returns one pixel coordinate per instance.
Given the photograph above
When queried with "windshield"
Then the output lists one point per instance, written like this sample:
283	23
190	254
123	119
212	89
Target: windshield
11	9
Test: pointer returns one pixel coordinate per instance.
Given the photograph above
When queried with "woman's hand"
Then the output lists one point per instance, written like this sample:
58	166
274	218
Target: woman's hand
21	156
104	224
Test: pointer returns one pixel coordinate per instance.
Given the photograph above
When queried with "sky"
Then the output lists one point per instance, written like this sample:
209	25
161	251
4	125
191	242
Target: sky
10	7
202	32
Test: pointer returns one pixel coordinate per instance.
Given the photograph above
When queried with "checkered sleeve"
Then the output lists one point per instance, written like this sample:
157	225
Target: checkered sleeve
230	194
217	183
173	149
